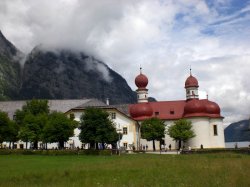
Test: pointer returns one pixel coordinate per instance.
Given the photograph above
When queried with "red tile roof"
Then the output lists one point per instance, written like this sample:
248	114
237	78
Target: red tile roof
166	109
173	110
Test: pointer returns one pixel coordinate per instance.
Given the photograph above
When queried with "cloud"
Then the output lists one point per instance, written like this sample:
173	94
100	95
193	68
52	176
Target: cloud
165	37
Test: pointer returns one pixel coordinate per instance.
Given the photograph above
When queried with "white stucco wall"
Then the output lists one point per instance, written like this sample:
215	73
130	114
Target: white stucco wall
201	129
217	141
120	121
168	139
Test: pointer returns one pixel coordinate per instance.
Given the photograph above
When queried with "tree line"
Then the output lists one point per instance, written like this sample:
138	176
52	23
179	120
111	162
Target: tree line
36	123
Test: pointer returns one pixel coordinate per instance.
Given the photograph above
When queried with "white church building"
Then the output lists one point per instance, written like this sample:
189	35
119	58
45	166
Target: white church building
205	116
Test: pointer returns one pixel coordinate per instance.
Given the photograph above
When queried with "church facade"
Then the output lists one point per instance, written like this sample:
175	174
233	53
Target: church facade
207	122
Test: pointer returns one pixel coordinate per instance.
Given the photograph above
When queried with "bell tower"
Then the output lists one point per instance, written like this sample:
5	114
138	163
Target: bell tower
141	81
191	86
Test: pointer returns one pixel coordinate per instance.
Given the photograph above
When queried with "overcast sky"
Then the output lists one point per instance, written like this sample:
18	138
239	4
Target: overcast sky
165	37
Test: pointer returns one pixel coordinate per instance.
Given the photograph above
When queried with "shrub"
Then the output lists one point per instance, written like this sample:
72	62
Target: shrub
54	152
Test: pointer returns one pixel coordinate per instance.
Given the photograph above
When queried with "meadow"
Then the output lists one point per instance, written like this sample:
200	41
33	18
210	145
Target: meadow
222	169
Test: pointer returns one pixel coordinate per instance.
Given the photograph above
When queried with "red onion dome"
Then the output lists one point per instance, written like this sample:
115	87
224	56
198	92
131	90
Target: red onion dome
141	81
212	107
191	82
194	106
141	110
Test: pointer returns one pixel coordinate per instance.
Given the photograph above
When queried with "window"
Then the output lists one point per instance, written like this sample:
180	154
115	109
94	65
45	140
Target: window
215	130
156	113
113	115
125	130
125	145
171	111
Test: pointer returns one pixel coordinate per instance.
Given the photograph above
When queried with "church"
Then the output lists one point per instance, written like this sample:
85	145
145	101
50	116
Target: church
204	114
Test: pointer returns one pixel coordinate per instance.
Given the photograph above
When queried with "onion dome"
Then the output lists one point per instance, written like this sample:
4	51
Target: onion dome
141	110
212	107
141	81
194	106
199	108
191	82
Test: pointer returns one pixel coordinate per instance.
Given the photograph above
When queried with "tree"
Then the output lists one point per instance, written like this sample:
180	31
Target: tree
96	127
181	131
31	120
12	133
8	129
33	107
32	128
4	126
153	129
58	129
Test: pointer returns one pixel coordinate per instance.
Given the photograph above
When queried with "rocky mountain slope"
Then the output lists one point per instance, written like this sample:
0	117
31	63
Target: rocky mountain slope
10	70
70	75
58	74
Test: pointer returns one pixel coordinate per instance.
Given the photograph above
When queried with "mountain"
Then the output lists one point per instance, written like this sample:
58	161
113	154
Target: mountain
238	132
72	75
58	74
10	69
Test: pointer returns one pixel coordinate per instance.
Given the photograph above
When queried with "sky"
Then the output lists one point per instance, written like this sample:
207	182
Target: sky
164	37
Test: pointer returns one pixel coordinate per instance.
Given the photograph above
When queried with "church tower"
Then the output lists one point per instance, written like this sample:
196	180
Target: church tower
191	86
141	82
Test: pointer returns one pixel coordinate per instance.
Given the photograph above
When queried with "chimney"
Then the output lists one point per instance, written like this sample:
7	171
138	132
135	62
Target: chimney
107	101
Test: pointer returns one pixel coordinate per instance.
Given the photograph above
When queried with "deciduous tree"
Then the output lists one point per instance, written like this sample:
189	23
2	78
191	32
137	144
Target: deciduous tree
58	129
181	131
4	126
96	127
32	128
31	120
8	129
153	129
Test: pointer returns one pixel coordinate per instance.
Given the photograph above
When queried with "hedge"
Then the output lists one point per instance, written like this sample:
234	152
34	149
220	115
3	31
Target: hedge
218	150
54	152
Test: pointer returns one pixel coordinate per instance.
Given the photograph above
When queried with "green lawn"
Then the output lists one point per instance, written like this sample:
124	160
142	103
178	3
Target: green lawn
223	169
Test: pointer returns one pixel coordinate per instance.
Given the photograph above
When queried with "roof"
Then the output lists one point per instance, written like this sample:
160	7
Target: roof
167	109
123	108
191	82
91	103
55	105
172	110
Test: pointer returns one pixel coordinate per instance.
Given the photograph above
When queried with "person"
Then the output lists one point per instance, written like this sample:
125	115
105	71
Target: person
236	146
146	147
162	147
169	147
201	146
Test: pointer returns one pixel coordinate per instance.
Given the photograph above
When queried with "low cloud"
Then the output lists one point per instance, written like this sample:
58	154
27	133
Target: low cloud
164	37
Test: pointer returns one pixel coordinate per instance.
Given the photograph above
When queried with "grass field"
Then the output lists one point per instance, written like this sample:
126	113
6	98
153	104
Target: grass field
223	169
